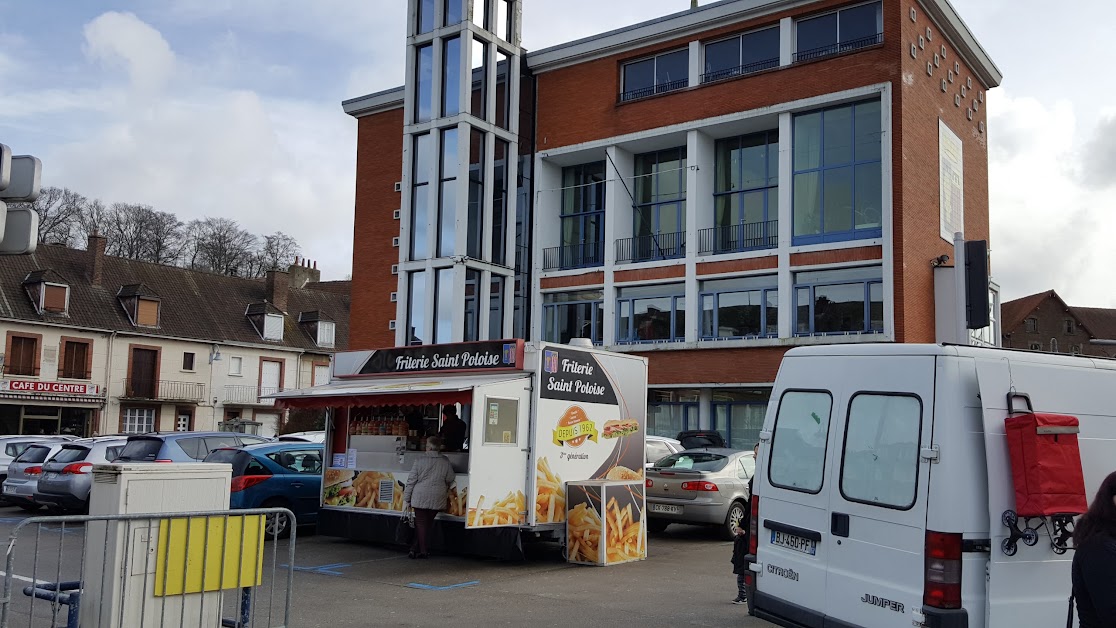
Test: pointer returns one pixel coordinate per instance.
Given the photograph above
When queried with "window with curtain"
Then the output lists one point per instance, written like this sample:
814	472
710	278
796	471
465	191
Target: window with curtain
745	194
569	315
651	313
843	301
744	307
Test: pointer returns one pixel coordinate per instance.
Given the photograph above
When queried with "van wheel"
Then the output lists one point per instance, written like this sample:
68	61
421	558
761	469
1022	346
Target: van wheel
657	525
737	516
277	526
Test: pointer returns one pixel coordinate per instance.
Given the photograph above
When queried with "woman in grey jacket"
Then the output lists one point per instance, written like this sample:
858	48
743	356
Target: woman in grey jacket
427	491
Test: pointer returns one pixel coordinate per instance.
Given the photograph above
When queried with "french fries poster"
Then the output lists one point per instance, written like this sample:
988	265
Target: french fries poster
604	523
591	417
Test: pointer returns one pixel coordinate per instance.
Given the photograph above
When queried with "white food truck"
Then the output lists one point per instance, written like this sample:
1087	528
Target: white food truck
537	419
885	486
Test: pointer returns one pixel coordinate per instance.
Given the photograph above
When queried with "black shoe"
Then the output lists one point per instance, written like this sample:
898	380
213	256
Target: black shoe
423	556
411	554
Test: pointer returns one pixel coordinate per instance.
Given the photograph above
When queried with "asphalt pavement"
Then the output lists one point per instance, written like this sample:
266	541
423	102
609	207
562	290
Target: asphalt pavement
686	580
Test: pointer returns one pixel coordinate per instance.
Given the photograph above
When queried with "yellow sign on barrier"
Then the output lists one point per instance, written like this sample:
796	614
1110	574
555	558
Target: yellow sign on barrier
228	551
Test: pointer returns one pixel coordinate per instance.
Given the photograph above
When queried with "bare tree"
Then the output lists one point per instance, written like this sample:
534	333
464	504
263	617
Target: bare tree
276	251
166	238
126	230
219	245
93	219
58	210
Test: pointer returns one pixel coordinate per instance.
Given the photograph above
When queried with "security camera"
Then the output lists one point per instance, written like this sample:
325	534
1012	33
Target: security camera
939	261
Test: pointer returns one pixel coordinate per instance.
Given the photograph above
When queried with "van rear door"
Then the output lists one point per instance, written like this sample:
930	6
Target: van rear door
878	491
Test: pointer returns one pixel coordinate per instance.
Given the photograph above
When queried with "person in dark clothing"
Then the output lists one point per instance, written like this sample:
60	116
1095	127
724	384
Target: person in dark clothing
739	565
1094	560
453	430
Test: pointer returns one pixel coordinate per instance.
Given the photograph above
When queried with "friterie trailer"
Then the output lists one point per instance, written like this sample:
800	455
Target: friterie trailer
538	418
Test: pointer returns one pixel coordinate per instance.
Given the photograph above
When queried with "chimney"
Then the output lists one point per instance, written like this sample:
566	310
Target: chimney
95	251
302	274
693	4
277	283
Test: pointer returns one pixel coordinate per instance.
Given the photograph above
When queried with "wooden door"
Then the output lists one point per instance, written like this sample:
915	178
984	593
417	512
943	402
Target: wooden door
142	382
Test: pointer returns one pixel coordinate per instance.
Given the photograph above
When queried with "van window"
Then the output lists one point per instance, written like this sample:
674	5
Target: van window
880	460
798	445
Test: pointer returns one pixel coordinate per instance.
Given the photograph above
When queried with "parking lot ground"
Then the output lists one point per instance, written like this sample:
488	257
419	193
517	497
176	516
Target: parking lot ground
687	580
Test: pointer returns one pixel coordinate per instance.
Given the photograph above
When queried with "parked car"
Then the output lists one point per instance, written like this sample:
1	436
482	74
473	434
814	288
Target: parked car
12	446
24	473
659	447
181	446
68	475
276	475
317	436
696	439
700	486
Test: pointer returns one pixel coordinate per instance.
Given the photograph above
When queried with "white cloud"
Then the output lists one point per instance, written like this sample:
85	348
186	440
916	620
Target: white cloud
123	39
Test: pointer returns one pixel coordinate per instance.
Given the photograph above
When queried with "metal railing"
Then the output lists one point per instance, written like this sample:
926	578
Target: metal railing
748	236
250	395
740	70
163	390
583	255
838	48
159	569
651	247
660	88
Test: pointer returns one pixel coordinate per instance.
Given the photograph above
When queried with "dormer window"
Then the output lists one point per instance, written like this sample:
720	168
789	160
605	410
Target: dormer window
56	298
273	327
326	330
141	304
320	328
48	291
267	320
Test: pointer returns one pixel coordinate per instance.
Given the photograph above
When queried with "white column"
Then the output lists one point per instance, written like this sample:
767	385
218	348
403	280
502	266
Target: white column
786	226
695	63
699	214
705	409
618	224
786	41
547	233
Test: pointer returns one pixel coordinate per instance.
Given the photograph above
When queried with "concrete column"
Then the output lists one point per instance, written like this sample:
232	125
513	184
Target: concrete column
786	226
695	63
705	409
620	168
786	41
699	215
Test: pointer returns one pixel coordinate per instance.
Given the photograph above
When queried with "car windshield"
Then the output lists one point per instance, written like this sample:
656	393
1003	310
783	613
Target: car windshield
238	459
71	453
693	461
15	449
34	453
694	441
141	450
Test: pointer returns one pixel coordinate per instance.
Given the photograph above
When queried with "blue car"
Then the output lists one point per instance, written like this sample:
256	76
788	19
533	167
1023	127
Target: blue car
276	475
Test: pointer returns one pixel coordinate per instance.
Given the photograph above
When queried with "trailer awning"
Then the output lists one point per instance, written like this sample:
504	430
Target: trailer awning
389	391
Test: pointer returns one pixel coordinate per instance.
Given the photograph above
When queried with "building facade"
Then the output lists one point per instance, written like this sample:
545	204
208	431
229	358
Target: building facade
101	345
1044	322
707	189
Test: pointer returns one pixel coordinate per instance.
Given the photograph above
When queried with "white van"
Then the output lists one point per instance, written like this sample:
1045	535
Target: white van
883	480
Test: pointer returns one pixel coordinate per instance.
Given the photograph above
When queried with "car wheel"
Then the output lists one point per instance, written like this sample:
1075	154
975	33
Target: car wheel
28	507
277	527
737	516
657	525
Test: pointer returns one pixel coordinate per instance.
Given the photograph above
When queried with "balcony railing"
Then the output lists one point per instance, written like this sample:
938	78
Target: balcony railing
838	48
749	236
163	390
741	70
651	247
250	395
584	255
661	88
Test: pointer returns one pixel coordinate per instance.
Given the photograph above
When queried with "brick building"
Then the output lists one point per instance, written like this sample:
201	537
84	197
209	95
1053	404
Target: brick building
709	188
1044	322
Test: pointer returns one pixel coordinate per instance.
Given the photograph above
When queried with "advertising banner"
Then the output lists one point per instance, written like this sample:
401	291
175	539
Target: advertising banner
381	490
492	355
604	522
591	414
51	388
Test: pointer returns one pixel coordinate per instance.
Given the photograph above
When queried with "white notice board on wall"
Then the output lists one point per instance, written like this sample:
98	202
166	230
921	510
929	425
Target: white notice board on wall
952	182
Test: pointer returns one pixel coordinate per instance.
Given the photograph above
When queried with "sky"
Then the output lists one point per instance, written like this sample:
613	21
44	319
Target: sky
233	108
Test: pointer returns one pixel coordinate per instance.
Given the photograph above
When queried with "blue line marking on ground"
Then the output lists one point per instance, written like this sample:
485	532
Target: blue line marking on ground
430	587
328	570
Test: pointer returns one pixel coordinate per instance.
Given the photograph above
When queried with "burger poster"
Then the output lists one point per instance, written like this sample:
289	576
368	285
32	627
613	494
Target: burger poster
590	423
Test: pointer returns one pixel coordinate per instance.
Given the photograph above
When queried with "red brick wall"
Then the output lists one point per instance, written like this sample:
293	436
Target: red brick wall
712	366
738	265
650	274
580	103
379	167
917	230
837	256
573	281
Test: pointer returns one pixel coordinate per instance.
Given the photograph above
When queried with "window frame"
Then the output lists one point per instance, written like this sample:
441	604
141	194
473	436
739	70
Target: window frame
918	448
330	337
764	323
1030	325
596	323
1069	327
629	338
775	434
268	316
581	192
740	69
839	47
690	411
236	359
770	188
714	406
36	357
627	95
189	361
43	298
64	358
867	284
655	206
125	419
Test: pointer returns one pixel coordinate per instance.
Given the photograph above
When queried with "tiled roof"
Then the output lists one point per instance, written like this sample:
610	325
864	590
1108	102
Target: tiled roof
194	305
1014	312
136	290
1100	322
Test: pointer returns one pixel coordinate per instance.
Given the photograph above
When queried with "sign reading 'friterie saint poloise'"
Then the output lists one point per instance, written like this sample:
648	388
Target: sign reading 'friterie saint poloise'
50	388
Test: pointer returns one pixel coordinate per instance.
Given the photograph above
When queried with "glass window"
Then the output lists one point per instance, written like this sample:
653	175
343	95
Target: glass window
424	90
480	15
798	445
840	31
694	461
426	16
743	54
503	90
139	420
655	450
475	225
660	207
662	73
472	295
838	177
444	306
880	459
447	212
496	308
422	173
740	308
722	59
739	415
500	202
451	77
503	18
479	92
746	195
841	301
569	315
71	453
416	309
582	220
455	9
651	313
501	421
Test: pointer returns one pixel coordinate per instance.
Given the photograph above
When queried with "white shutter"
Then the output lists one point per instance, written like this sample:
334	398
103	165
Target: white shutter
273	327
321	375
326	330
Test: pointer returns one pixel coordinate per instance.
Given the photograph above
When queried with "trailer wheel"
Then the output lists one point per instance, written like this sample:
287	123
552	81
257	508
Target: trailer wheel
1009	518
1009	547
1030	537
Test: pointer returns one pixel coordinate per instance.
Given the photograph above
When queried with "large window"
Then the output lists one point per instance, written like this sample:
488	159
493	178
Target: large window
583	207
455	9
880	463
500	202
138	420
744	307
76	359
569	315
671	411
445	311
845	301
23	356
655	75
424	85
451	77
742	54
651	313
479	90
660	207
426	16
475	225
496	307
422	175
447	202
798	446
503	90
417	329
472	297
746	194
838	181
738	415
840	31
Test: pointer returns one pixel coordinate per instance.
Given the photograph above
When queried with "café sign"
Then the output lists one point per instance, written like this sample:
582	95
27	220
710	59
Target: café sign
48	388
492	355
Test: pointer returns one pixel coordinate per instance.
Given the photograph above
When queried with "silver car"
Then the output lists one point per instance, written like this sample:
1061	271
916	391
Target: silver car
658	447
24	473
12	446
700	486
68	475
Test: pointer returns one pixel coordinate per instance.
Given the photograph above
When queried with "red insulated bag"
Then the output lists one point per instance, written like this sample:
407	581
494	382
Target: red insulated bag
1046	465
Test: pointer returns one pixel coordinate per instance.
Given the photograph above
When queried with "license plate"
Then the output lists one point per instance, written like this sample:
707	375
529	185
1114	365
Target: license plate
50	475
666	509
8	490
795	543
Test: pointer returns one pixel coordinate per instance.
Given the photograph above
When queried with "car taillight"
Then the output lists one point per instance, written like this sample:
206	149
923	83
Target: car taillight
699	486
649	483
163	460
77	468
242	482
34	471
753	527
943	571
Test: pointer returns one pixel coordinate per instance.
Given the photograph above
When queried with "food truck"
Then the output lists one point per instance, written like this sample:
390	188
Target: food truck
538	417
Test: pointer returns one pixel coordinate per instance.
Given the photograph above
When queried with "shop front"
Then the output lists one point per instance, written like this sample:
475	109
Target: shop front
49	408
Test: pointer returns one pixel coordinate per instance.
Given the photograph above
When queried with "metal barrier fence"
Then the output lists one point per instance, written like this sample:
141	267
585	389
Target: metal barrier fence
165	569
